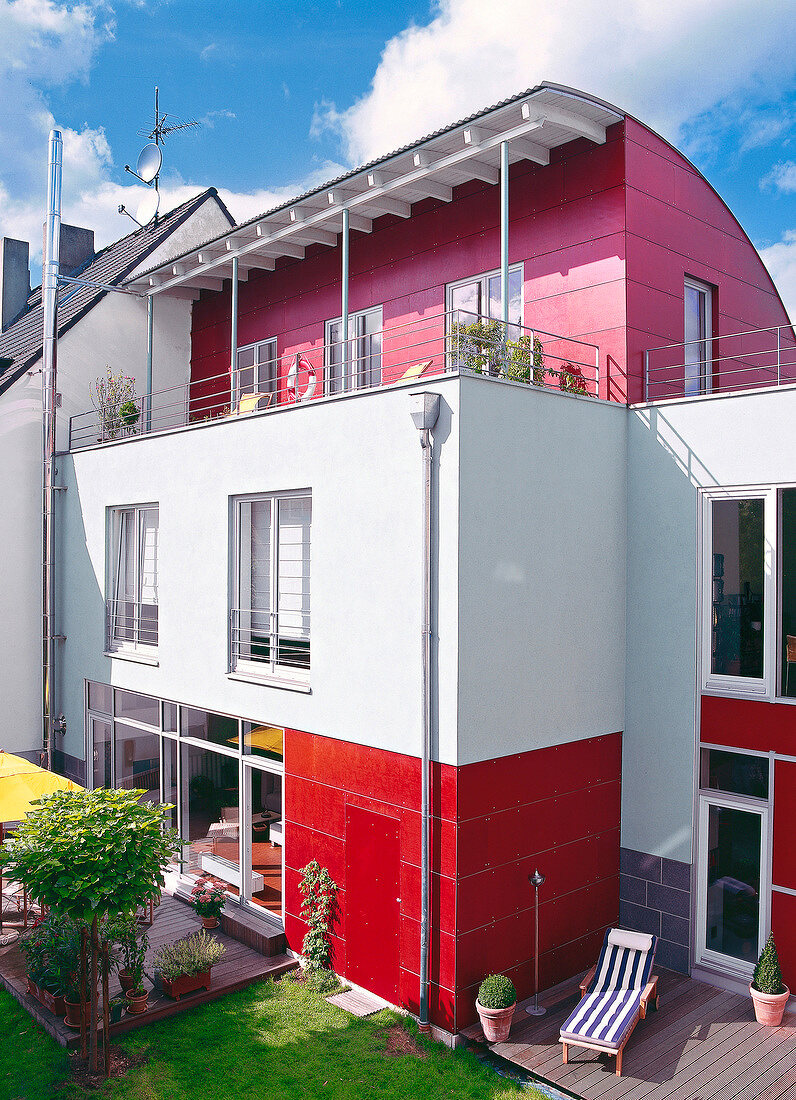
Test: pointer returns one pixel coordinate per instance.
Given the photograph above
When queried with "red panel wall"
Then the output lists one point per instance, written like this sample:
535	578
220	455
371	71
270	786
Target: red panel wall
749	724
493	823
567	225
676	226
323	776
783	922
556	808
783	867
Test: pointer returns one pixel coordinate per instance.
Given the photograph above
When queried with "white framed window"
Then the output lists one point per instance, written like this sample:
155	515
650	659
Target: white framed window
739	538
132	598
480	299
356	363
698	336
255	370
270	612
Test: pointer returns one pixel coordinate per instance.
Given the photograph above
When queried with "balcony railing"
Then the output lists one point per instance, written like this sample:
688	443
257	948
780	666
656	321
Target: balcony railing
432	344
258	641
130	625
752	359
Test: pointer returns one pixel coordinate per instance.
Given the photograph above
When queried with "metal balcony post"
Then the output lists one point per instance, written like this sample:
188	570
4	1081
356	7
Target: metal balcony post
150	331
779	355
344	296
233	339
504	243
646	375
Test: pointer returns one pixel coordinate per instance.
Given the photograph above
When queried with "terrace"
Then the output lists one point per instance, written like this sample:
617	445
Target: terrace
702	1042
444	343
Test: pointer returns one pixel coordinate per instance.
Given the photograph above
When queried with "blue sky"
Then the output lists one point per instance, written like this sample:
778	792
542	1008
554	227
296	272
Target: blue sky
291	93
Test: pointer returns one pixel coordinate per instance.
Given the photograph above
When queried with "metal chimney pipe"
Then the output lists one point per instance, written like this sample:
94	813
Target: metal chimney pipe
50	271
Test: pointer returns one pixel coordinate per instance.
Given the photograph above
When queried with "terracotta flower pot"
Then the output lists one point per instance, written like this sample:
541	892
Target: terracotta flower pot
126	980
73	1013
769	1007
136	1001
495	1022
186	983
210	922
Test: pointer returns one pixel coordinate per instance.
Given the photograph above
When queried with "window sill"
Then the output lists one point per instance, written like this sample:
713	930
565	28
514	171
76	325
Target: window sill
271	681
136	658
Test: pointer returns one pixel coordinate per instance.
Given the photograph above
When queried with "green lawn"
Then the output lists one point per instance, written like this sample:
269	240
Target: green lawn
276	1040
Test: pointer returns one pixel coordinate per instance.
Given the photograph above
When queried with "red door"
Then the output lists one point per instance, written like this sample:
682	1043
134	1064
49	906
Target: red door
372	902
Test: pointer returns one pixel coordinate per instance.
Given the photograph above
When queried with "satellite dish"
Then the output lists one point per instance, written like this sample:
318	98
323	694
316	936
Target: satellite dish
149	161
147	208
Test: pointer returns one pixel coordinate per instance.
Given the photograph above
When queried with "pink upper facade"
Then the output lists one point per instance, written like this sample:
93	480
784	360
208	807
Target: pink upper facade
606	234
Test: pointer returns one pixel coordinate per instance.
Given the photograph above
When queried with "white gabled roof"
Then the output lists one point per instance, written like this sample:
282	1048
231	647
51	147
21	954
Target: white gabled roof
533	123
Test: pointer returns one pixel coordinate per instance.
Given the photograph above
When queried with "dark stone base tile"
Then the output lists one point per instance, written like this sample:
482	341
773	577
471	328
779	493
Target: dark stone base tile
668	900
640	865
632	889
673	956
675	929
677	874
636	918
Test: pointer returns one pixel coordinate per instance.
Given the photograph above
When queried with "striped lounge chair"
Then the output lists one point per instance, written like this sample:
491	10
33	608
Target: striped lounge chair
615	995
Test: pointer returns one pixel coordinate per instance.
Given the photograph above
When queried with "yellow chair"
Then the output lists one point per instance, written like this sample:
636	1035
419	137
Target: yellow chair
249	402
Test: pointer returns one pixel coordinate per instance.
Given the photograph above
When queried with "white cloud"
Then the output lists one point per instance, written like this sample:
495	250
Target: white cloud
780	259
655	60
782	177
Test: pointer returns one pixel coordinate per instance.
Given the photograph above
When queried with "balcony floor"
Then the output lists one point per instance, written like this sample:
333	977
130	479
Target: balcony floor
703	1043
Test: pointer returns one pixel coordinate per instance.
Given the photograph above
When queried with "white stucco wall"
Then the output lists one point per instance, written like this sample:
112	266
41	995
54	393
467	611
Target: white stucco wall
113	332
674	449
361	458
542	569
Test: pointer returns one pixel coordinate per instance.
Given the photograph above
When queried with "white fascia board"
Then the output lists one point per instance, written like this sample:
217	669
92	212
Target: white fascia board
577	124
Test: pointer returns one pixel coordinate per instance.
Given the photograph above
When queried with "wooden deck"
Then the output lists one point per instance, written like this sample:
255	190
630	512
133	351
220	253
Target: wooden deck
703	1043
241	966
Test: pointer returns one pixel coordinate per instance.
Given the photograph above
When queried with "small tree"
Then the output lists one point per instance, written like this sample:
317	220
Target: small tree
112	396
768	976
89	855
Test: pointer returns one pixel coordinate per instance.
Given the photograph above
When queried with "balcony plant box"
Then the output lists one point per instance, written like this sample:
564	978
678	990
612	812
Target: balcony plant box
186	983
52	1002
185	965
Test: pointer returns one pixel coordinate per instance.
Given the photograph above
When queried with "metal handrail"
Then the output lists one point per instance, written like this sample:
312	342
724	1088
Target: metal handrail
362	362
671	377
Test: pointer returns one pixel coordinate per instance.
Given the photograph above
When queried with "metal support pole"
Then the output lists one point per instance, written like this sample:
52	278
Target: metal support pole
779	355
233	339
344	297
52	254
150	332
536	880
504	242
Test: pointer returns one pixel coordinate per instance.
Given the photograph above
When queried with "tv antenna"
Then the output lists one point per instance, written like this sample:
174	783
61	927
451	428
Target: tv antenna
150	161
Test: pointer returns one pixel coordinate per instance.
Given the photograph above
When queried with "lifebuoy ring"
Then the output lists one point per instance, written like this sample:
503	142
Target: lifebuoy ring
300	362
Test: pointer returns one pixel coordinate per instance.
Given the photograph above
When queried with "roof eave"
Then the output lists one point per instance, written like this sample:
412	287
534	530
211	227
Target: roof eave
532	123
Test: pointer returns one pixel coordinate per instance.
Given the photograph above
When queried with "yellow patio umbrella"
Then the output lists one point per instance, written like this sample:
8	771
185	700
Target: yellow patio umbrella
21	783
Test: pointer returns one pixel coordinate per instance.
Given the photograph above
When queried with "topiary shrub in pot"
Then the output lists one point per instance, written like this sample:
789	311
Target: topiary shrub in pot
496	1001
769	992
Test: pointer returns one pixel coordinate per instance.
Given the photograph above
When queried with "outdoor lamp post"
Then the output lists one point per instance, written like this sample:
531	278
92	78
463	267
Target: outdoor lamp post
536	880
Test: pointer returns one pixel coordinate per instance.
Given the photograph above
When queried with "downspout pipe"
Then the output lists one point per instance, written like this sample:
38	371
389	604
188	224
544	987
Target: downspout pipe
346	383
150	335
425	412
52	250
504	243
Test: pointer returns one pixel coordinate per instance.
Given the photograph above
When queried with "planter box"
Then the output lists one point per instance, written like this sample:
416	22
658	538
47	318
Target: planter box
54	1004
186	983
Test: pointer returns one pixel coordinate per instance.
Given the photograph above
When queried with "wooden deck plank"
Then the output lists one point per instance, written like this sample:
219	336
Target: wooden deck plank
778	1079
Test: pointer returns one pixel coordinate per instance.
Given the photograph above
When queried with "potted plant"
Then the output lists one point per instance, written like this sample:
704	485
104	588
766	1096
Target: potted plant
496	1001
137	996
52	954
769	992
123	931
129	414
186	964
208	898
116	1009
